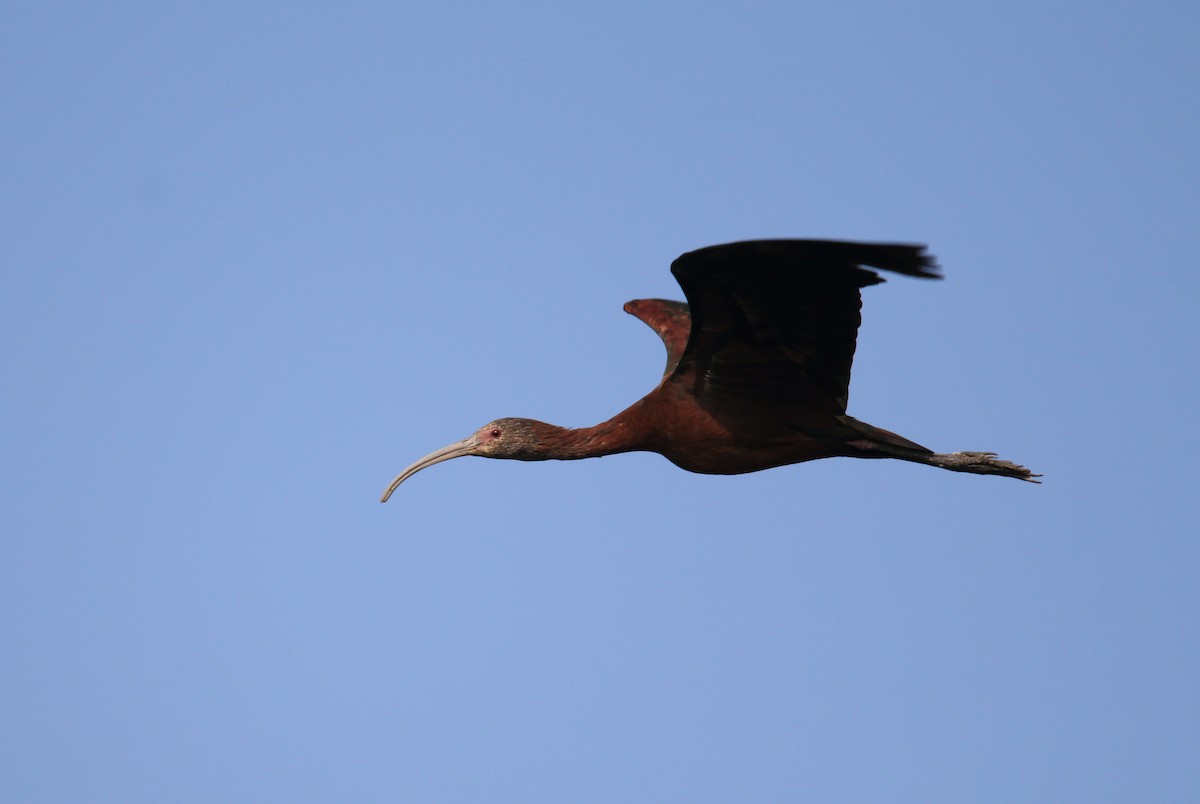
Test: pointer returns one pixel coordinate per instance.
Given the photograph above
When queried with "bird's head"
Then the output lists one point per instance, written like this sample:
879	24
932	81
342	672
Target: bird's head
503	438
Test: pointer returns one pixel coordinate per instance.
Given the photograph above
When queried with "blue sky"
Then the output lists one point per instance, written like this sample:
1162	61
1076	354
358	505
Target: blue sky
257	259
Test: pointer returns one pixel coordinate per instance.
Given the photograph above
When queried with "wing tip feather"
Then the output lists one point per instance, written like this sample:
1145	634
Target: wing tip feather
909	259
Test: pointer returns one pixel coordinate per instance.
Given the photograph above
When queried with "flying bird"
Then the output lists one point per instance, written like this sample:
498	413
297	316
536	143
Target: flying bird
758	369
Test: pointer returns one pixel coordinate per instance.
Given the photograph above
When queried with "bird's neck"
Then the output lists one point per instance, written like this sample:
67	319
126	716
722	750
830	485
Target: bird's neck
567	444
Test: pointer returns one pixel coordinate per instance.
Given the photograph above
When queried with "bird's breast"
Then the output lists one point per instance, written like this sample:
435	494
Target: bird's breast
695	440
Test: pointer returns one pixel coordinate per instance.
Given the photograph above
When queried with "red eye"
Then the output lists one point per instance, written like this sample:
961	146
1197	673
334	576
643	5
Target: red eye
495	433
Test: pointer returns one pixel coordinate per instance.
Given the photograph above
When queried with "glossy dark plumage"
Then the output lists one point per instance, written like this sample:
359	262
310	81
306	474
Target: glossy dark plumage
758	369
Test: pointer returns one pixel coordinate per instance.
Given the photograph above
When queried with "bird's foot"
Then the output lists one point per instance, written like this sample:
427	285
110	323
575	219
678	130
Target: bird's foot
982	463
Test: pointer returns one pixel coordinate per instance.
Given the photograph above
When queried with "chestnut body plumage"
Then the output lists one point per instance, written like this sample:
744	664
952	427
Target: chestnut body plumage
758	369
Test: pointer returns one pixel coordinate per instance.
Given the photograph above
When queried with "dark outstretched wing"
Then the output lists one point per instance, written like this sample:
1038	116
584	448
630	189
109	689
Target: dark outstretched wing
774	322
670	319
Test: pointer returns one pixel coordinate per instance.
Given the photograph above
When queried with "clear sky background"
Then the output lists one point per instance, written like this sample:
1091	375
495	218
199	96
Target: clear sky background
257	258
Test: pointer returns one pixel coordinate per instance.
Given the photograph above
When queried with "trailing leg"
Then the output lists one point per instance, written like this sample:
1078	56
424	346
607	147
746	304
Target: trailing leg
978	463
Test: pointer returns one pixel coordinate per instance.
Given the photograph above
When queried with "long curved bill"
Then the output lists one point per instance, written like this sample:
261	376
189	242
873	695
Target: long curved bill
456	450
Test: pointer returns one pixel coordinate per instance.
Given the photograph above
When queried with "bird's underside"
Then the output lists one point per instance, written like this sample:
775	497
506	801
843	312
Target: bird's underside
697	440
758	369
